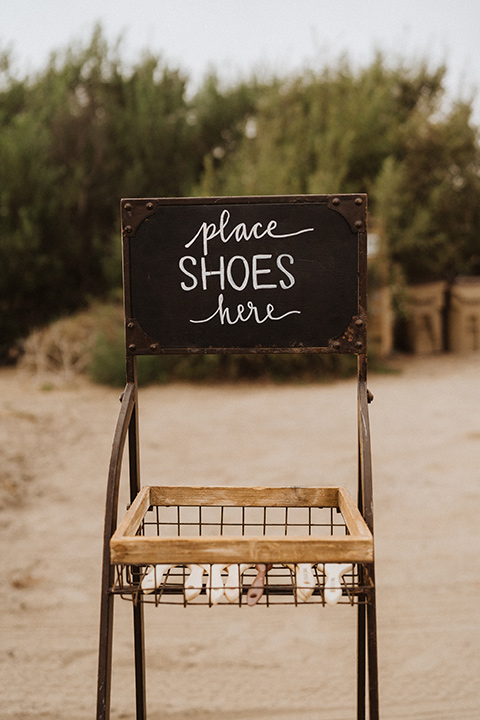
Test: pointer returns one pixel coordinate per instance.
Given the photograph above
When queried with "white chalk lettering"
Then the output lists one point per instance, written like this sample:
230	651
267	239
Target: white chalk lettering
244	314
283	284
236	273
246	270
256	271
181	265
211	273
209	231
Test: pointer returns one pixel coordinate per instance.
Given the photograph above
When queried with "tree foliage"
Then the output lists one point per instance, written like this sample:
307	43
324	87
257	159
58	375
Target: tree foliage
427	196
379	130
74	140
88	130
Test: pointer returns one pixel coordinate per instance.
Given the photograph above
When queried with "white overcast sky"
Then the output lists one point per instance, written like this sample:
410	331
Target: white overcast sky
238	37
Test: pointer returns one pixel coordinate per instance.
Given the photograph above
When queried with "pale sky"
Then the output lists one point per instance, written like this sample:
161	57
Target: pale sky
238	37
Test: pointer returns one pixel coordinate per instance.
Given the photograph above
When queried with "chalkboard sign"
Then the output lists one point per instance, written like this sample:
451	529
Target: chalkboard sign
244	274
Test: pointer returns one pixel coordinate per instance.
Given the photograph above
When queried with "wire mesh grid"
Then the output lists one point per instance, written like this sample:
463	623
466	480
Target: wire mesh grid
237	583
241	521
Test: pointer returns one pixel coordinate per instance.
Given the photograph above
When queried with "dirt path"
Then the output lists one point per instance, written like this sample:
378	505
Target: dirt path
281	663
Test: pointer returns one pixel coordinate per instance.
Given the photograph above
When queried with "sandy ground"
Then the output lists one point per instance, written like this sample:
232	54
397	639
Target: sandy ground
225	662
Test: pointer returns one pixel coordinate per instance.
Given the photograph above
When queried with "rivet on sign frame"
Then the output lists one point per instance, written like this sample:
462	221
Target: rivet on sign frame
149	206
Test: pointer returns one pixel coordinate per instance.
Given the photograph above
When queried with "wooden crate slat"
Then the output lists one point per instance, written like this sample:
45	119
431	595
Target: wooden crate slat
247	496
151	550
136	512
351	514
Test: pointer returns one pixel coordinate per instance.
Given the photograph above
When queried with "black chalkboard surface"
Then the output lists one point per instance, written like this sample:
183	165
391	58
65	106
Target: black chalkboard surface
244	274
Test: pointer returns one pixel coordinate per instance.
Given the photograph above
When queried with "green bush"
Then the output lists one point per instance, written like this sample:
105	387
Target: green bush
107	364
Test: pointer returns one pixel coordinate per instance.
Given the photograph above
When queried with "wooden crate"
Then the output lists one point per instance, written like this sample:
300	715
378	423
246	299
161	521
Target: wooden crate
303	541
168	530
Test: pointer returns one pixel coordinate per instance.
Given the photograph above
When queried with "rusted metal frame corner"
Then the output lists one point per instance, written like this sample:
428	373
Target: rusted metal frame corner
352	207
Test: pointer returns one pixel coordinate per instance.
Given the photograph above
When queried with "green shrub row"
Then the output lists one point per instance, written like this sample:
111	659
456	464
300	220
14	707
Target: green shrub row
89	129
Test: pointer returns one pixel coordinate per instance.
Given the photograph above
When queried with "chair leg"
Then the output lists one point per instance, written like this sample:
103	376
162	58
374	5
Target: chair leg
105	653
139	645
372	655
105	658
361	663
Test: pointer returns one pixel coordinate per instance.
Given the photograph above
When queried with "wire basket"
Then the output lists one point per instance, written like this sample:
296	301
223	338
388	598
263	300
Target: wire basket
242	546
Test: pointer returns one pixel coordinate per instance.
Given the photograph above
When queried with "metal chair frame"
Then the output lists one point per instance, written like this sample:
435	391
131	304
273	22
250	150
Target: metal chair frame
135	213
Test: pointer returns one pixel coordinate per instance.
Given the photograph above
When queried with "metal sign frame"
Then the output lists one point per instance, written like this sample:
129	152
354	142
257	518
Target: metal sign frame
302	256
